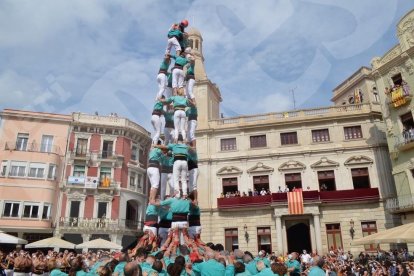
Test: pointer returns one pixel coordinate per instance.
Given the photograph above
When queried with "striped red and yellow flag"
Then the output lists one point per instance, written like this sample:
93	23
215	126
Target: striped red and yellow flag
295	202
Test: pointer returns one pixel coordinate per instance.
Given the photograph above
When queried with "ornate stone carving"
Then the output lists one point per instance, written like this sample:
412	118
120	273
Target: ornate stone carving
76	196
391	55
324	163
376	62
260	168
229	170
358	160
409	66
292	165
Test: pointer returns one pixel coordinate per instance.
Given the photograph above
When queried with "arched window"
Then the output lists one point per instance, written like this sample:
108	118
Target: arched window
190	43
196	44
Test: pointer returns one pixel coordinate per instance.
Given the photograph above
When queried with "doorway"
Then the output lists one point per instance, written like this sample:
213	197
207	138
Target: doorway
298	236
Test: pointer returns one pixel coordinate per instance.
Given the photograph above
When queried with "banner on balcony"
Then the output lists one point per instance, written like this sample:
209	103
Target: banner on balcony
295	202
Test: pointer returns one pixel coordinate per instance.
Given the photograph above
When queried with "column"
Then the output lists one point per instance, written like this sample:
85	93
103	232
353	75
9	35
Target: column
85	238
317	224
279	238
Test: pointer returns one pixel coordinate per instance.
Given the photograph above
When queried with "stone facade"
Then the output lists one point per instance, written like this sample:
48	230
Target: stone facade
395	71
340	140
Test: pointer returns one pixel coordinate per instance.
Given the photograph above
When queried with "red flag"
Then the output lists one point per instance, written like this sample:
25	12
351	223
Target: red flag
295	202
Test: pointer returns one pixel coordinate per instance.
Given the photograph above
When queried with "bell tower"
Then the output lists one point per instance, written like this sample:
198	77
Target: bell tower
207	93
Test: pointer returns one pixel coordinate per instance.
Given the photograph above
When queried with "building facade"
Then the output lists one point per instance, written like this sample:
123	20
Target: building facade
103	193
338	155
393	74
32	149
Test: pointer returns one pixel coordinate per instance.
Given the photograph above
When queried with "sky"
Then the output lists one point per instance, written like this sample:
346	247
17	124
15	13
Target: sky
66	56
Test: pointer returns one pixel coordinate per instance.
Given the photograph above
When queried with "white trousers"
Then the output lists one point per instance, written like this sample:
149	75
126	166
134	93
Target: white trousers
180	170
166	181
150	228
173	41
156	122
154	177
168	92
193	176
194	231
189	89
177	78
169	135
179	123
192	126
162	84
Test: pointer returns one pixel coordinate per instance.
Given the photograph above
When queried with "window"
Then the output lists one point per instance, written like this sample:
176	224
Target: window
132	179
107	149
293	180
79	170
105	176
134	152
141	156
231	237
289	138
353	132
408	123
18	169
46	211
333	232
30	210
37	170
326	181
320	135
82	147
261	182
360	178
11	209
102	207
3	169
264	240
228	144
140	178
47	142
74	209
21	142
229	185
258	141
397	79
51	173
368	228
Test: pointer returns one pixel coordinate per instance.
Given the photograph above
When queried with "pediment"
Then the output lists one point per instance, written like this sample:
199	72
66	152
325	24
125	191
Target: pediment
358	160
260	168
292	165
229	170
76	196
324	163
104	197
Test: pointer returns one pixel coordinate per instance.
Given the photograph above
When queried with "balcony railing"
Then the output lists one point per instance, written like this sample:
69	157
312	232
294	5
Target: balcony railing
91	182
326	197
401	203
32	147
98	224
405	141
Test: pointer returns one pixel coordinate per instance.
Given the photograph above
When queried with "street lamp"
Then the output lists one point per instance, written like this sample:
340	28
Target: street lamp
246	235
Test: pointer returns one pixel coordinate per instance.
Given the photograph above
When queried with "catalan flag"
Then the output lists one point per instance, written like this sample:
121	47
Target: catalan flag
295	202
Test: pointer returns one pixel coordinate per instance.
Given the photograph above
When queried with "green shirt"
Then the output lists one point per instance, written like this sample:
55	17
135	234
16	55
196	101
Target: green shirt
177	205
266	272
210	268
178	149
251	267
264	260
57	272
194	210
169	117
158	106
151	210
192	155
178	101
120	268
175	32
191	112
169	77
167	161
165	213
296	265
155	155
165	64
316	271
179	60
190	69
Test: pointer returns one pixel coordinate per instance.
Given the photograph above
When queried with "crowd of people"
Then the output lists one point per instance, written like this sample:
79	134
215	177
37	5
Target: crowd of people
209	259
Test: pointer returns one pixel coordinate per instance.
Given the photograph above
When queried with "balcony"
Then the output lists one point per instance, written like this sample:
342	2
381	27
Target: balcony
32	147
91	183
326	197
405	141
399	98
400	204
98	225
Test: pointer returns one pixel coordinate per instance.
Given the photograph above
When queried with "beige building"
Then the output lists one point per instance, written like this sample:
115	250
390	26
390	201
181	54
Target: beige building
337	154
394	78
32	149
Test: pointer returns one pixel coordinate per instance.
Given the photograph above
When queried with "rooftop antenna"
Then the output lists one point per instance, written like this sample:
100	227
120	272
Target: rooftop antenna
293	96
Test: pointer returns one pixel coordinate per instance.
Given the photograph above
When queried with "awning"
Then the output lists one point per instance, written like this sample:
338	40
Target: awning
399	234
6	238
51	243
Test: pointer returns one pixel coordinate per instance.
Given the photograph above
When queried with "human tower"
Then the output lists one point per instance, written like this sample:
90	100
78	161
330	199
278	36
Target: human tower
173	218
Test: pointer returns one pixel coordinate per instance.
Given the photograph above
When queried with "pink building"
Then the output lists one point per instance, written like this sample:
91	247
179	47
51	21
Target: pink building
32	149
103	193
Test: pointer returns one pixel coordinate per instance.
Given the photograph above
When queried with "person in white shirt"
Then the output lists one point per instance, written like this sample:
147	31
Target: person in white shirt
305	257
263	192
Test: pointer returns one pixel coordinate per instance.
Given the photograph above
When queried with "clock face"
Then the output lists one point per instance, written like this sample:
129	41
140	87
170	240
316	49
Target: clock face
351	100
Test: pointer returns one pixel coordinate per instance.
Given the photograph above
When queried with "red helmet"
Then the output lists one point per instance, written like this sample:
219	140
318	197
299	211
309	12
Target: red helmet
184	22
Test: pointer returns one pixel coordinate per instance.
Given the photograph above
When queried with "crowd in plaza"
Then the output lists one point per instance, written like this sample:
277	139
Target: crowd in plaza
209	259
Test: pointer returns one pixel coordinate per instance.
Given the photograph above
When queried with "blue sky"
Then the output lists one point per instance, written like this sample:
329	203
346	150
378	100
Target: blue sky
64	56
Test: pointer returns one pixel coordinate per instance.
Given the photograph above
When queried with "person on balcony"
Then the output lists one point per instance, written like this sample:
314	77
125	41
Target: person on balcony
263	192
